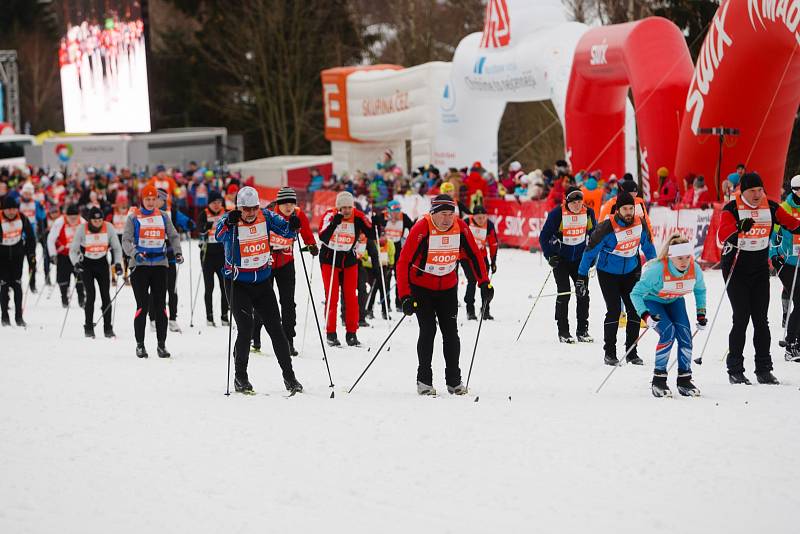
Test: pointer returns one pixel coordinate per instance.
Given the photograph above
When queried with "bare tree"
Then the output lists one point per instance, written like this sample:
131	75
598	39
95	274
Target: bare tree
578	10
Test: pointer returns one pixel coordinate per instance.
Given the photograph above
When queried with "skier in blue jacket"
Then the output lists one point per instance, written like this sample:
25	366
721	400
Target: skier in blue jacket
563	240
659	299
244	232
614	249
783	253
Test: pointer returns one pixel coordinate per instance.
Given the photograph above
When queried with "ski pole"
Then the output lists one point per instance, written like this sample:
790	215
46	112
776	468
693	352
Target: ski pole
316	319
191	295
475	347
196	289
635	343
229	297
308	305
385	341
66	313
558	294
699	361
329	296
111	302
534	305
790	309
383	278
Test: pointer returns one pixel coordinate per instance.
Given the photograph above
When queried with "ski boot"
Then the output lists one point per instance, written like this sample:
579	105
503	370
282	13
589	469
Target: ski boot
685	386
352	340
486	315
6	320
584	337
141	352
566	338
659	385
242	385
457	390
64	302
767	378
108	332
20	321
610	359
369	315
88	331
47	281
634	359
333	340
362	323
738	378
225	321
256	349
162	351
174	326
210	321
292	350
792	352
384	316
425	389
293	386
471	313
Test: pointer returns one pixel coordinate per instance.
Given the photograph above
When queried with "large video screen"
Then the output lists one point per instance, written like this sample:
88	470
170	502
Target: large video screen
103	67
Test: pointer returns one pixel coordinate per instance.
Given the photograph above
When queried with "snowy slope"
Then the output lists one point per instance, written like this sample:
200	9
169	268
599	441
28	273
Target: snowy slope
95	440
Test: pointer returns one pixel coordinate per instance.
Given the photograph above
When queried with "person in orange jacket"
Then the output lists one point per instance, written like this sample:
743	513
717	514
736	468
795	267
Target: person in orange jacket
592	194
161	180
641	210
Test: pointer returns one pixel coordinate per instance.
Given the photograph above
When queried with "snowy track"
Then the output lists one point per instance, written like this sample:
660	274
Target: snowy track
95	440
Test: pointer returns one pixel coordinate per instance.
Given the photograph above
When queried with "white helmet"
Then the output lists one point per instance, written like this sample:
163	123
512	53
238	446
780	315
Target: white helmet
796	182
247	197
515	166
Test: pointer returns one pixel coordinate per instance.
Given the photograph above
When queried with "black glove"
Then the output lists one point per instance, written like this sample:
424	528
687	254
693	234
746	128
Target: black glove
487	292
409	305
702	322
78	269
581	286
553	260
32	263
745	225
208	226
378	220
118	269
234	216
294	222
778	262
178	258
313	250
494	267
337	219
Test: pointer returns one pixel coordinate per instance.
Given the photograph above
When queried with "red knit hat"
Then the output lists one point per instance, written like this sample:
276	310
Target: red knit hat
149	191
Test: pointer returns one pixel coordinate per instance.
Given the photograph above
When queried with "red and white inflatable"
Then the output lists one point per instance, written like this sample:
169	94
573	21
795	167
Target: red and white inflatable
747	77
650	58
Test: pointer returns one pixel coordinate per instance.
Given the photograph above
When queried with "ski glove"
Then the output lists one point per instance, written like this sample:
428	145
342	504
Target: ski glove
745	225
702	322
294	222
179	258
234	216
494	267
487	292
778	262
118	269
581	286
378	220
553	260
337	219
78	269
313	249
409	305
651	320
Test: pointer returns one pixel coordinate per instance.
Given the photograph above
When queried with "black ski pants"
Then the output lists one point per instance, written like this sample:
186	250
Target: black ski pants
150	281
171	294
212	267
259	298
285	278
749	296
564	271
96	271
614	288
64	272
385	304
472	283
441	306
787	276
11	278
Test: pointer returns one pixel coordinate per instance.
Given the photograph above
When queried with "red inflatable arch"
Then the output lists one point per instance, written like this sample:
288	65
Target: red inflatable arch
747	77
651	58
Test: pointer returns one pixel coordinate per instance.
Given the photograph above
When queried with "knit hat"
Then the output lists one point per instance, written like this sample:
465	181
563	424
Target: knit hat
447	188
9	202
573	194
149	191
751	180
442	203
345	200
286	195
663	172
590	184
95	213
624	199
479	210
796	182
629	186
394	206
213	196
733	178
72	209
232	189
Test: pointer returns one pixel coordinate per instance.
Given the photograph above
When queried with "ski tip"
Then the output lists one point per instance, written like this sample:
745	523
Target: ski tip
369	349
332	394
476	398
388	349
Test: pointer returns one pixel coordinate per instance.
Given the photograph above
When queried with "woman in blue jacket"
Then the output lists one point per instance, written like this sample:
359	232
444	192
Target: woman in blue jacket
659	299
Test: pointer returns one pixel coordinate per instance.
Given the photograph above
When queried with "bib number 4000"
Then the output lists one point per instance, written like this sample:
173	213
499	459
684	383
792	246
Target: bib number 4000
254	248
444	258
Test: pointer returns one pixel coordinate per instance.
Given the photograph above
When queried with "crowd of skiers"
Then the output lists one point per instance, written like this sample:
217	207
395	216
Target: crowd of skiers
247	249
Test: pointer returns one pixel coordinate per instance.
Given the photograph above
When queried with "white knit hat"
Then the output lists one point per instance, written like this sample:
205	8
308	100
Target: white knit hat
345	200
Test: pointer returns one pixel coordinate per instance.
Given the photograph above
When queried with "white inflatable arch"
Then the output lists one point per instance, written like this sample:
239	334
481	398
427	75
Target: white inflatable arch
524	54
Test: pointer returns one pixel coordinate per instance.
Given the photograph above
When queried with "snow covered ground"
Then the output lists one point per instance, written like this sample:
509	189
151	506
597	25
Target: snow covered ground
96	440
